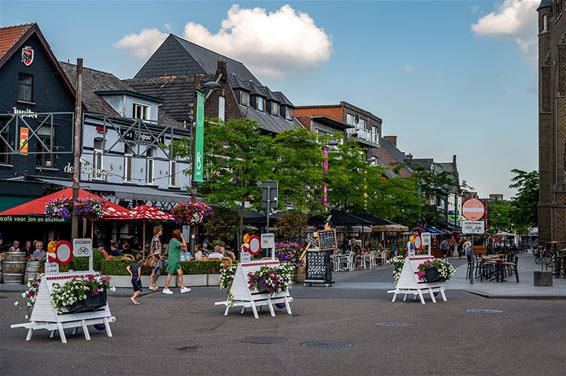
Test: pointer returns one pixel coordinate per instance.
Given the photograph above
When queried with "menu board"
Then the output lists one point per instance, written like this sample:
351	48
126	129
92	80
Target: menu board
327	240
318	267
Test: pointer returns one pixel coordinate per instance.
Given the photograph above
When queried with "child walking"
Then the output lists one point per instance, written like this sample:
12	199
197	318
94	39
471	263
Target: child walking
135	272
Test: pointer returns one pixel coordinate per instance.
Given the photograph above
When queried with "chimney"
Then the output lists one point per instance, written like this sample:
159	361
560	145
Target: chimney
409	156
454	160
221	68
391	139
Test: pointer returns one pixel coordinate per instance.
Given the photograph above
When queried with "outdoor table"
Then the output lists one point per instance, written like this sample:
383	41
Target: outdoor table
497	261
337	261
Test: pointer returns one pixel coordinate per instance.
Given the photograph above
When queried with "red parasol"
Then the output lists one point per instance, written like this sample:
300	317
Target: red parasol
37	206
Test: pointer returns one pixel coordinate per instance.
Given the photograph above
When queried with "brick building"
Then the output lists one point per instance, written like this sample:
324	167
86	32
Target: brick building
552	120
389	155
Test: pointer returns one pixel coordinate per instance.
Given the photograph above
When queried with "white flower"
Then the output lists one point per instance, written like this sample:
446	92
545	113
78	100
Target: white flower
23	294
29	304
16	303
27	317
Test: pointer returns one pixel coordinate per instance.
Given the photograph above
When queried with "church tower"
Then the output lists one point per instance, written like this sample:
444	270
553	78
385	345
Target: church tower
552	120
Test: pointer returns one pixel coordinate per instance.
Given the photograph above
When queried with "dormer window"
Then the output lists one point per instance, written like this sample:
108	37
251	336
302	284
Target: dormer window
260	103
244	98
140	111
288	113
274	108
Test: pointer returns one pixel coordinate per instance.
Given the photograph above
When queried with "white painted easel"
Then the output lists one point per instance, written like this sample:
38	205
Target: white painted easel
409	283
244	297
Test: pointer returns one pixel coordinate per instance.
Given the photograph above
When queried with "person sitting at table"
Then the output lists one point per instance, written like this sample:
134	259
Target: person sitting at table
115	249
28	248
39	253
15	247
216	254
198	252
228	253
126	248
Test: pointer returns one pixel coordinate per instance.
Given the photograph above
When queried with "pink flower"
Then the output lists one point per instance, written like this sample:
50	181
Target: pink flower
420	274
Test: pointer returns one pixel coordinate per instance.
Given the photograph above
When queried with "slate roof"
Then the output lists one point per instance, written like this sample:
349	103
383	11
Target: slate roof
10	35
177	93
97	81
545	4
282	98
270	123
393	150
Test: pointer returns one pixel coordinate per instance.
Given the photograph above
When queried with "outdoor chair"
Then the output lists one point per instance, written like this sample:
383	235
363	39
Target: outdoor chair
361	260
372	259
383	256
347	263
511	267
226	261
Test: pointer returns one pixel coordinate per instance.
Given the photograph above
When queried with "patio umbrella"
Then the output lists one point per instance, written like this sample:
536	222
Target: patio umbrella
37	206
145	213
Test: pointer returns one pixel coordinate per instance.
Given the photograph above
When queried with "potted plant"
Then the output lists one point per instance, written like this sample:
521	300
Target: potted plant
30	295
397	263
80	294
271	280
436	270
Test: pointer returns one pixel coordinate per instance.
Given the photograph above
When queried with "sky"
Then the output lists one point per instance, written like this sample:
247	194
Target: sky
446	77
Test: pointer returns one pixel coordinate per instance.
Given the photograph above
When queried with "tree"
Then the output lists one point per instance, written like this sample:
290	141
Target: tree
525	202
298	169
397	199
224	225
291	224
501	217
434	185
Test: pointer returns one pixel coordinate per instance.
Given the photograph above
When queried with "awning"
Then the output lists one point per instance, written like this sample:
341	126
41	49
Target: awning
126	192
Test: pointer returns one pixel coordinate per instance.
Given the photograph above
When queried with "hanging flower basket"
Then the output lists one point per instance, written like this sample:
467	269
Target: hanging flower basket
89	208
192	213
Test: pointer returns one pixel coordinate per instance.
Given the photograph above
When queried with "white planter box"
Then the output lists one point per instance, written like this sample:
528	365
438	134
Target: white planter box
194	280
213	280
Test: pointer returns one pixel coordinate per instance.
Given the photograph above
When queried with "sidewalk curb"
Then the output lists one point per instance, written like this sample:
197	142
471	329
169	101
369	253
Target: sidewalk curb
530	297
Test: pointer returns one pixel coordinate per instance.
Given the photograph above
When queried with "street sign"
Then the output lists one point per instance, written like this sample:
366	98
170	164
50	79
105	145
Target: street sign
82	247
425	236
269	192
418	243
473	227
255	245
63	252
268	240
198	156
473	209
245	257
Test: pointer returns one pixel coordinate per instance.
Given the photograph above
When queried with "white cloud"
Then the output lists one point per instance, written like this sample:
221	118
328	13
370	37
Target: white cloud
514	19
144	44
408	68
269	43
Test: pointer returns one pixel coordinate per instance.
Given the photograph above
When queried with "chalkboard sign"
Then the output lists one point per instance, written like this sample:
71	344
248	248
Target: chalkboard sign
327	240
318	268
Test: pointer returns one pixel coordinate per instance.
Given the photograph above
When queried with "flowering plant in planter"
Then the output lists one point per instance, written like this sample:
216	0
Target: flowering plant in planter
444	269
288	252
192	213
30	295
75	292
89	208
64	207
60	208
397	263
271	280
227	276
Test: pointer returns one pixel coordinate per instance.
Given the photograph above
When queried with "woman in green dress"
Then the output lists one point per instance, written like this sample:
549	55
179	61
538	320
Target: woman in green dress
174	261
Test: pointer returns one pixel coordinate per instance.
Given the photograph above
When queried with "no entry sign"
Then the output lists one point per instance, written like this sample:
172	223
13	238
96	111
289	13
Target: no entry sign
473	209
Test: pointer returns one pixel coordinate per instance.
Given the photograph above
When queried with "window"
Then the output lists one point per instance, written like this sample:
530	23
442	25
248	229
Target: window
44	158
25	87
361	123
4	141
222	108
375	135
288	113
544	23
98	162
274	109
172	173
140	111
350	119
260	103
128	156
244	98
149	168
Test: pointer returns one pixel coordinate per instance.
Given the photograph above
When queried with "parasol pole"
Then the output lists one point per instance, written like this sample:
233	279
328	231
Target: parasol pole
143	239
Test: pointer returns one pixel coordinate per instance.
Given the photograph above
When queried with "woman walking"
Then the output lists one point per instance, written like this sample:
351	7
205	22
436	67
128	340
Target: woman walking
173	261
155	252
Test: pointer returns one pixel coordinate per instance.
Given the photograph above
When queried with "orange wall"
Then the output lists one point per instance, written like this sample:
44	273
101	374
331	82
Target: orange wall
336	113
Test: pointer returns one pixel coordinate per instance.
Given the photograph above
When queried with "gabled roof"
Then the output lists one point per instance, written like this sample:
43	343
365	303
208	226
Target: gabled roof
397	154
12	38
10	35
545	4
95	81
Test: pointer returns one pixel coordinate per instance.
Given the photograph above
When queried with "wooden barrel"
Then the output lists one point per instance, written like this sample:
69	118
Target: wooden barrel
1	276
13	268
32	270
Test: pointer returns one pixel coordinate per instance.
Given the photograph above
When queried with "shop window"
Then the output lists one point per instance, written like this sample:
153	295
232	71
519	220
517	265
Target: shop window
25	87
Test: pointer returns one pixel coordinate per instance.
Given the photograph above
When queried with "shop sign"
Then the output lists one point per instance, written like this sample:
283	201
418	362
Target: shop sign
198	159
25	113
24	135
88	170
29	219
27	55
142	137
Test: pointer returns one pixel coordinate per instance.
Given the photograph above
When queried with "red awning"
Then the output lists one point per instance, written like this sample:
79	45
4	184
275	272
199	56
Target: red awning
150	213
37	206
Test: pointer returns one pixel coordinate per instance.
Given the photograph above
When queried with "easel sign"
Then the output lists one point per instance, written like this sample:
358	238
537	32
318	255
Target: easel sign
409	282
243	297
327	240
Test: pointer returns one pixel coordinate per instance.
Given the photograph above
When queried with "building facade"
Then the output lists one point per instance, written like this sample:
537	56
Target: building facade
552	120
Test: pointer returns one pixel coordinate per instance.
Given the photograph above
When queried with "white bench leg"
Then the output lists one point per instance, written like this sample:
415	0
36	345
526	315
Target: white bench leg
394	296
442	293
226	311
431	295
271	310
85	330
51	333
243	310
75	330
30	332
254	310
107	325
61	333
421	296
287	305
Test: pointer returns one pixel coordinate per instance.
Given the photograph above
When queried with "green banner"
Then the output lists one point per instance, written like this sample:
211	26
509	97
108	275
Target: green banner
199	140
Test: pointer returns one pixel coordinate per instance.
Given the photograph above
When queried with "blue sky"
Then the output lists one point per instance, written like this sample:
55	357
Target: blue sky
440	85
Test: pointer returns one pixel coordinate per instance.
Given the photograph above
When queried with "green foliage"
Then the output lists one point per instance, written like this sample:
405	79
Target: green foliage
117	266
501	217
201	267
81	263
291	224
525	202
298	169
223	227
396	199
434	184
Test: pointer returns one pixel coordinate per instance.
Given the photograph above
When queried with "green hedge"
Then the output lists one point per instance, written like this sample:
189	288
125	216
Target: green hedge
116	266
81	263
